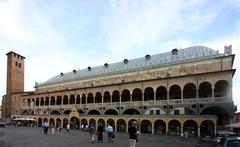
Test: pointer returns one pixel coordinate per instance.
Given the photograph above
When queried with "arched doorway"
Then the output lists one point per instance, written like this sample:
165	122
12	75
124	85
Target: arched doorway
137	95
125	95
207	128
112	123
161	93
106	97
121	125
98	97
92	121
221	88
146	126
221	113
90	98
189	91
51	122
175	92
74	123
160	127
205	90
40	122
102	122
148	94
190	126
115	96
58	123
65	122
174	127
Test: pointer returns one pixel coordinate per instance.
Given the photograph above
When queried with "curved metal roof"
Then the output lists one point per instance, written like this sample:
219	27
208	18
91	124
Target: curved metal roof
175	56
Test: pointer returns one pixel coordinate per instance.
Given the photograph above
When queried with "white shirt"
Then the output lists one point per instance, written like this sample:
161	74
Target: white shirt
109	129
68	126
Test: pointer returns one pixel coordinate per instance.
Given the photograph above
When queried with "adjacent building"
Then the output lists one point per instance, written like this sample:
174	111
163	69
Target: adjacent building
182	90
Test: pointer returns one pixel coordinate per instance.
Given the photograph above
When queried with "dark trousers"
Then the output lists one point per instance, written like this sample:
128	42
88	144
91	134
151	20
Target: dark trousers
45	130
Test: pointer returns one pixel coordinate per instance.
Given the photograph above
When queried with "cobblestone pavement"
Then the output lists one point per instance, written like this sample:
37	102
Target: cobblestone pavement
34	137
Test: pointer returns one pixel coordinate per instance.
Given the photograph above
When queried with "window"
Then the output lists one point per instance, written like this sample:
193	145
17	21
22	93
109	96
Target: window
16	64
157	112
151	112
19	65
176	112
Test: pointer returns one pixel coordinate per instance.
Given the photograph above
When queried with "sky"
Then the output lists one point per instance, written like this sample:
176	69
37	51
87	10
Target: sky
58	35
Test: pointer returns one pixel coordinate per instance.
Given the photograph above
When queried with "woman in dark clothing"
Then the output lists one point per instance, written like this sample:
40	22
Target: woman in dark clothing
100	133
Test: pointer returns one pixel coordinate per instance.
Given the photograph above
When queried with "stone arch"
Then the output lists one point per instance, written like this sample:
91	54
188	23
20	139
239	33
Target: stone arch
160	127
65	100
111	122
90	98
189	91
221	113
205	90
78	100
72	99
67	112
207	128
175	92
221	88
51	122
92	121
148	94
137	95
55	112
93	112
59	100
52	101
58	122
106	97
37	101
191	127
102	122
125	95
46	103
131	112
65	122
121	125
83	99
42	102
115	96
45	119
161	93
74	123
174	127
40	122
84	122
98	97
131	120
146	126
111	112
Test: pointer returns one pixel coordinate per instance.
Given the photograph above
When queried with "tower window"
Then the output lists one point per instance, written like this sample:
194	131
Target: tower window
16	64
19	65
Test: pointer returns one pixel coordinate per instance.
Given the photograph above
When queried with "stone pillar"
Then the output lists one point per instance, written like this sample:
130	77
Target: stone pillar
115	126
167	128
61	102
126	126
55	98
49	101
198	133
154	97
213	97
130	96
182	95
181	131
215	128
153	128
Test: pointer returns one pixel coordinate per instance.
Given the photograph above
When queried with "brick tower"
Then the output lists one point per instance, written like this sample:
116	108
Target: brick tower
15	83
15	73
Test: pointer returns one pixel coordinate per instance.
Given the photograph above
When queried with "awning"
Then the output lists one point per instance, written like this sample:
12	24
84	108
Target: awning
234	125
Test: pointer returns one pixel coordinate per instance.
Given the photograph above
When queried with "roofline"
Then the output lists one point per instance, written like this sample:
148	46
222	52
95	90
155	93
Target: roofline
231	70
11	52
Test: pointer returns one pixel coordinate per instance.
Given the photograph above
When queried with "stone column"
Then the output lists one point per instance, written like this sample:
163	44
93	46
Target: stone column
153	128
213	97
182	95
126	126
154	97
198	133
115	125
130	96
167	128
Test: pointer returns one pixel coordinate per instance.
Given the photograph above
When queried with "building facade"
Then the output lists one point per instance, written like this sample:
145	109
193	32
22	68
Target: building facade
182	90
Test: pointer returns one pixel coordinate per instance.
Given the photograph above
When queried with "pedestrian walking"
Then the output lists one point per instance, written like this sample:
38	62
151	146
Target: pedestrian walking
82	127
133	134
92	131
110	134
68	127
100	133
53	129
45	127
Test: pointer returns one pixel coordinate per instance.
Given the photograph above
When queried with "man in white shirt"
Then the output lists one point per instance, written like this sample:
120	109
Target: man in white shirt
46	126
109	131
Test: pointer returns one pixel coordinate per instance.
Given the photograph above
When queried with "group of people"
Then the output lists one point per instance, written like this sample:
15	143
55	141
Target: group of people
132	130
46	127
99	133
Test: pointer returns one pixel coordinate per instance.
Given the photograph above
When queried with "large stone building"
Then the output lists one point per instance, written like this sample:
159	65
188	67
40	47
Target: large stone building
183	90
